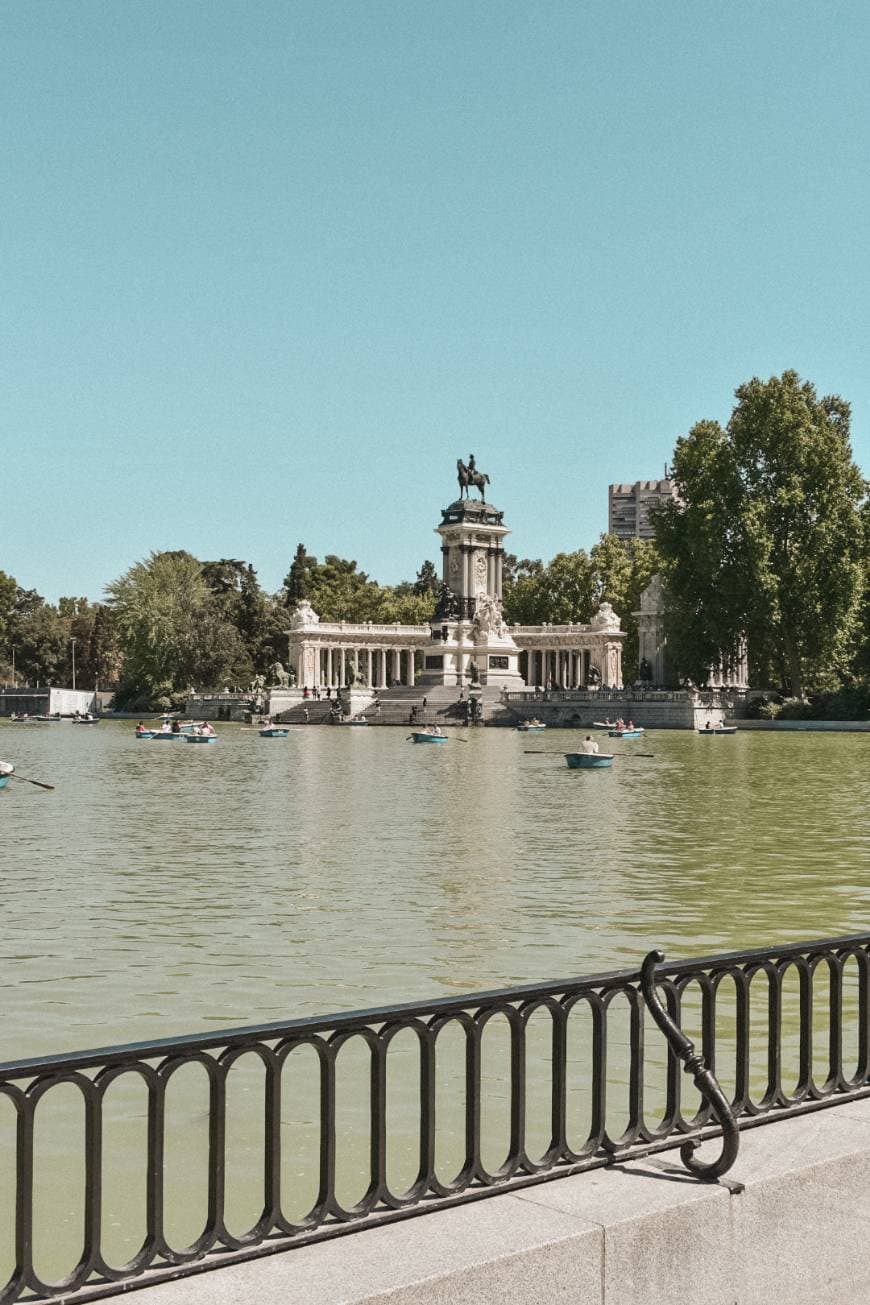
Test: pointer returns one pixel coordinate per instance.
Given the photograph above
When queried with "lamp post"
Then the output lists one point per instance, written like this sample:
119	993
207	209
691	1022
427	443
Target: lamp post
73	642
13	666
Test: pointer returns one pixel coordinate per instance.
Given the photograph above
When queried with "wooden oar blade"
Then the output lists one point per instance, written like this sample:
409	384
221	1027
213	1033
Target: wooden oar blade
38	782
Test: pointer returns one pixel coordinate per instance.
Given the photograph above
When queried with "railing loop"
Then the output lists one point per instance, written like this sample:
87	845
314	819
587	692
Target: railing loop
705	1081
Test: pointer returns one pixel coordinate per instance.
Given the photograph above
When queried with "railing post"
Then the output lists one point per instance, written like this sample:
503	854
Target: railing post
705	1081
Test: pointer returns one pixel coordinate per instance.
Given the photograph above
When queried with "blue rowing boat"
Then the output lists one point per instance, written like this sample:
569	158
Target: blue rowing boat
624	734
420	736
589	760
273	732
145	734
167	734
4	780
720	729
199	738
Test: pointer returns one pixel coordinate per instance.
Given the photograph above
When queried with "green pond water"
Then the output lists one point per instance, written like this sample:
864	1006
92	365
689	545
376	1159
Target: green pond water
166	889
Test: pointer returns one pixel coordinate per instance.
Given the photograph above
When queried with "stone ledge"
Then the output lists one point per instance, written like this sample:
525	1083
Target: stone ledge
643	1233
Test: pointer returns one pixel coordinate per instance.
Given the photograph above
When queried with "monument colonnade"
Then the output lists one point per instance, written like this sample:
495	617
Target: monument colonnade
334	654
547	665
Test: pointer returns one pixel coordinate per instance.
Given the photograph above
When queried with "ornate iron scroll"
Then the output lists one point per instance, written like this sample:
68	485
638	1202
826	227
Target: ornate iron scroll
705	1081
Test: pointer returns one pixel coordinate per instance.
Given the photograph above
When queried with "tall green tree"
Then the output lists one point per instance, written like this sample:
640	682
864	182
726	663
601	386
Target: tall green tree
562	592
173	633
41	639
297	582
765	539
428	581
338	591
104	657
861	655
241	602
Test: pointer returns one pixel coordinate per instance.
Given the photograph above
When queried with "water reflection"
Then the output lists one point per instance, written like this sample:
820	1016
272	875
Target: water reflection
165	888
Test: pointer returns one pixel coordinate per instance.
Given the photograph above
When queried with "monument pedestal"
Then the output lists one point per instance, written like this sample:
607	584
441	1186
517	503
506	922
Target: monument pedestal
470	641
461	652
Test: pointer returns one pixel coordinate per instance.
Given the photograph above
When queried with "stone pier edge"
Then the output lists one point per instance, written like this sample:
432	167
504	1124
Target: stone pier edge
789	1222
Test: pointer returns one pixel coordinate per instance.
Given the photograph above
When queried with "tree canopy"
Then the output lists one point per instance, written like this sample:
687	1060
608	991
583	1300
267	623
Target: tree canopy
339	591
573	585
766	539
173	631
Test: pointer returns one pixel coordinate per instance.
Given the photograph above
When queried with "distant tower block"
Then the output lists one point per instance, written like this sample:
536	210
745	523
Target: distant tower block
629	507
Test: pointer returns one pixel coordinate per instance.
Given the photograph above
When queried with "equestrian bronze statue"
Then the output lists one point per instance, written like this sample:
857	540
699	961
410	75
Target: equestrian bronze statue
469	476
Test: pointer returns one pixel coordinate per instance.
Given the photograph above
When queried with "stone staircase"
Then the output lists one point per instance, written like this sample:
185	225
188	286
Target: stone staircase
318	712
443	707
394	706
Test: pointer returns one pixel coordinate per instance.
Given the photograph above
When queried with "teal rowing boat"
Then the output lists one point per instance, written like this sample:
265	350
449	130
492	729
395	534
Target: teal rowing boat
589	760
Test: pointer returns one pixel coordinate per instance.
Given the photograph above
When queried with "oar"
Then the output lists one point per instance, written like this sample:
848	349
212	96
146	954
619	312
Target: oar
533	752
25	780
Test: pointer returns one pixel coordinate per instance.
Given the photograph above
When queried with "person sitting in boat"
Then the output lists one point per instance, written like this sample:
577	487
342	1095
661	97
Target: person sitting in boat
140	728
620	723
709	725
630	725
166	727
206	729
175	727
589	746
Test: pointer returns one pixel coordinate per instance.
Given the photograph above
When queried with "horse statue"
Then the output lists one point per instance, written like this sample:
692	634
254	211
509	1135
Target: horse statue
469	476
278	676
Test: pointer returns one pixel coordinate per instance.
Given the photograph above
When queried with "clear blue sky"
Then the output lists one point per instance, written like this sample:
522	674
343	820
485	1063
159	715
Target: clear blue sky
267	269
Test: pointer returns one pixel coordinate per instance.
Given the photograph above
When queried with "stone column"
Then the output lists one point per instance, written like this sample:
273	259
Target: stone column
356	664
397	661
383	668
410	679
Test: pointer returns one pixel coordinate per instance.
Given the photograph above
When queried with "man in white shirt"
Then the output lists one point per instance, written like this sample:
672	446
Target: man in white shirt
589	746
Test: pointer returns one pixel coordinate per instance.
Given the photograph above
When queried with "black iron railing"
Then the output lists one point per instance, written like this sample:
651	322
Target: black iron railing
466	1095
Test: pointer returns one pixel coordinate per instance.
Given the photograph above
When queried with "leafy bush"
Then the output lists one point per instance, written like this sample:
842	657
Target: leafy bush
796	709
